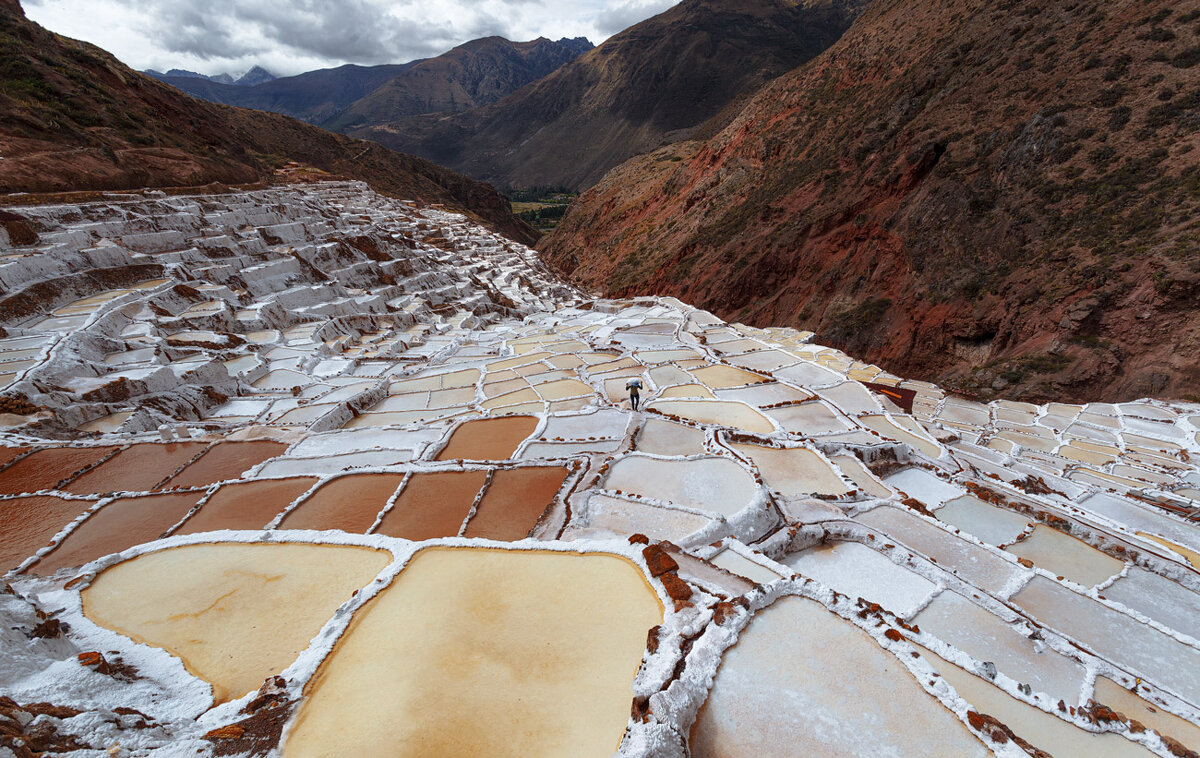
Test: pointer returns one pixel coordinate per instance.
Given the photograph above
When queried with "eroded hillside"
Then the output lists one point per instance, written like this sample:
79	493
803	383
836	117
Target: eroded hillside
1000	196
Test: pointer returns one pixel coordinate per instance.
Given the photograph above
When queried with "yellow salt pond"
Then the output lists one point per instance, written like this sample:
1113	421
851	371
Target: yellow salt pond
485	652
230	611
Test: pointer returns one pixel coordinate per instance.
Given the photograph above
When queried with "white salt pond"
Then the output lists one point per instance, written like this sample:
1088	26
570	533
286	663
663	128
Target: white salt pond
814	703
715	485
858	571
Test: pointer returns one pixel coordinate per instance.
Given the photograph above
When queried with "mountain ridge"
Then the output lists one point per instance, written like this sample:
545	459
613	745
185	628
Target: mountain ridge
656	82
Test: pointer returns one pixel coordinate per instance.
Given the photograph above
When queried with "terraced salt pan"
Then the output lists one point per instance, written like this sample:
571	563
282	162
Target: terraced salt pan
815	704
1159	598
1063	555
858	571
622	517
506	657
1115	636
967	560
246	505
720	376
1157	718
232	612
1140	518
488	439
954	619
433	505
44	469
714	485
136	469
349	503
924	486
119	525
886	428
735	563
667	438
720	412
984	521
31	522
1041	729
795	471
224	461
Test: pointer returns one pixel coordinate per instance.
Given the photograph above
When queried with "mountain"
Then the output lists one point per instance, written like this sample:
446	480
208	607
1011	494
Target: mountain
256	75
473	74
72	117
314	96
1003	197
654	83
182	73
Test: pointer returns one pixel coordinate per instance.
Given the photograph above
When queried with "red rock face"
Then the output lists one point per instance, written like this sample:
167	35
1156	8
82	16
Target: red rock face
952	191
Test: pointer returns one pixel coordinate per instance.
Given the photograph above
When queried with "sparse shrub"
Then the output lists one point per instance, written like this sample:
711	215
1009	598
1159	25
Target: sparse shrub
1158	34
1187	58
1119	68
1118	117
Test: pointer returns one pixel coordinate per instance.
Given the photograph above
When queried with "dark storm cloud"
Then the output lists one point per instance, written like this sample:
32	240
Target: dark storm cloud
362	31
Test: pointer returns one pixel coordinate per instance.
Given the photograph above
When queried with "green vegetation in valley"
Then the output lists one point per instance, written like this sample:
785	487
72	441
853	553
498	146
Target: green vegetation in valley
540	207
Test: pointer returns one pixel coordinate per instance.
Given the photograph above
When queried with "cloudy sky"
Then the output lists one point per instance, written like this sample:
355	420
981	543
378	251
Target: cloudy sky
291	36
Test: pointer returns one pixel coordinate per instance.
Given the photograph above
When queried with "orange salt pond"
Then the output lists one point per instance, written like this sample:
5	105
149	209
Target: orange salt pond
136	469
31	522
118	526
514	502
506	656
9	453
246	505
433	505
226	460
43	469
349	503
492	439
235	614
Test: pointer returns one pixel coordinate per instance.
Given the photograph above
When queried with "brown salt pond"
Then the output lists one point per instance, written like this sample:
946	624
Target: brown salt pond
514	501
246	505
118	526
432	505
506	657
31	522
492	439
224	461
9	453
349	503
136	469
43	469
234	613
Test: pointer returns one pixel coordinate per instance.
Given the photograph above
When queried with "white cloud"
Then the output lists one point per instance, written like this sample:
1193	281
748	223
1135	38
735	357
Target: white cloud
291	36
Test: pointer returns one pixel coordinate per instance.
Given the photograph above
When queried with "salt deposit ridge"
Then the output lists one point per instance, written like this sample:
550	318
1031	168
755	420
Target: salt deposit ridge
308	470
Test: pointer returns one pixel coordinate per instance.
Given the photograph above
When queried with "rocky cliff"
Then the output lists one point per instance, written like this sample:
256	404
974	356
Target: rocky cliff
1000	196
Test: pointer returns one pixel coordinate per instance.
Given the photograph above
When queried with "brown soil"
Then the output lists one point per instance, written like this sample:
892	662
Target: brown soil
246	505
349	503
46	468
433	505
136	469
31	522
118	526
489	439
1001	198
224	461
514	502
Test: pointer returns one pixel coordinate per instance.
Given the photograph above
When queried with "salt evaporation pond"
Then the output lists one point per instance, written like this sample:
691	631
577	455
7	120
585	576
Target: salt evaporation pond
447	394
230	611
504	658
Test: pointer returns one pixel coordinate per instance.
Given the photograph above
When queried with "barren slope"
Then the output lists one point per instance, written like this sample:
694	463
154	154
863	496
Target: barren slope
1002	197
72	117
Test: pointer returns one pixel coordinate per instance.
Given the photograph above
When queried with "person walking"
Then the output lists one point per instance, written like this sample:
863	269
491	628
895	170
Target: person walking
634	386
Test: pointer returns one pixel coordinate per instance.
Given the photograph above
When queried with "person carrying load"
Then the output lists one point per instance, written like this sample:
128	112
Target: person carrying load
634	386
